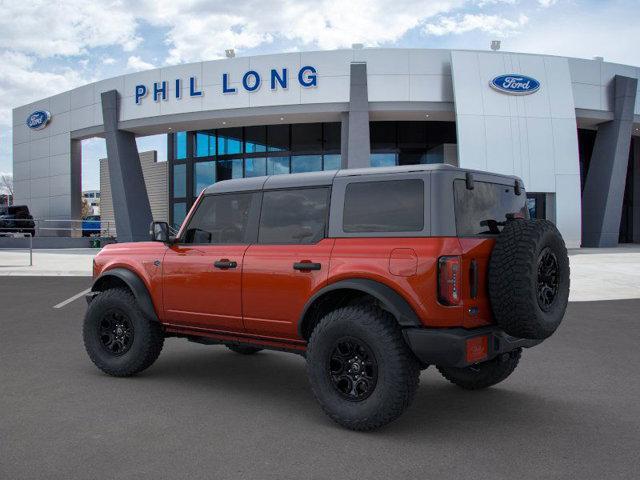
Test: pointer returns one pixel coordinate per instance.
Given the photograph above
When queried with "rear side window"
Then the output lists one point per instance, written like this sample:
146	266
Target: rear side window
385	206
296	216
483	210
220	219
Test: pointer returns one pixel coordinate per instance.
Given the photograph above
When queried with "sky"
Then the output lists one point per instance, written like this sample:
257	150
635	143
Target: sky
48	47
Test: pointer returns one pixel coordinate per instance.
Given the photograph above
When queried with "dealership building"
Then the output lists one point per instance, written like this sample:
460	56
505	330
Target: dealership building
568	127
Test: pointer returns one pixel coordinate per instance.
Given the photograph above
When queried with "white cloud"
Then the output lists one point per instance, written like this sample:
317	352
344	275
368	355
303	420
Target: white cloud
491	24
21	83
135	63
203	30
547	3
46	28
108	61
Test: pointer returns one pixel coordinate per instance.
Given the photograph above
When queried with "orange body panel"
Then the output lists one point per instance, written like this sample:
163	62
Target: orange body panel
263	297
138	257
273	293
199	294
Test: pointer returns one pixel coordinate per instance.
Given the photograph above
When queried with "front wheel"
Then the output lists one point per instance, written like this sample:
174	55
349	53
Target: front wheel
361	371
485	374
118	337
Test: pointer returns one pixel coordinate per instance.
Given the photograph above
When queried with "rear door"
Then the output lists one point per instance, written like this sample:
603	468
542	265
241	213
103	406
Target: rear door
289	261
202	271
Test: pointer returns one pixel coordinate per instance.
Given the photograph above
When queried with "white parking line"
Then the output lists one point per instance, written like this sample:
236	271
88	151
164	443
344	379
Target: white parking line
69	300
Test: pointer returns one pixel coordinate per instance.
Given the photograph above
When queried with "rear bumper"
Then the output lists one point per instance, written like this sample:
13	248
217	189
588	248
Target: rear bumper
458	347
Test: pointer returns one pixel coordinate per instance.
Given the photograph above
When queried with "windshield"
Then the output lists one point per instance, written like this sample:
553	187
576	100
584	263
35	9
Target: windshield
485	209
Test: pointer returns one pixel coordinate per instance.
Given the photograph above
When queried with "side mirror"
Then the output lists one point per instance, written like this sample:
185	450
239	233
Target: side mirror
159	232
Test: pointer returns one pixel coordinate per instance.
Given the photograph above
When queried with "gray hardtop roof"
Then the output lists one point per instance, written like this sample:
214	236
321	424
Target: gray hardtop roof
325	178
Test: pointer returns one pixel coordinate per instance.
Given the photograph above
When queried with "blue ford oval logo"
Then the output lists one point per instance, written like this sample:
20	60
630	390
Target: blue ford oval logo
38	119
515	84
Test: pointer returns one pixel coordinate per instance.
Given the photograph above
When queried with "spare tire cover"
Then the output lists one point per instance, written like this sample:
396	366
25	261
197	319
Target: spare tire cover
529	278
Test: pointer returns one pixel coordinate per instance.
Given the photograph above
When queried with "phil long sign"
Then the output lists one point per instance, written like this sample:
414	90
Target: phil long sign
515	84
250	81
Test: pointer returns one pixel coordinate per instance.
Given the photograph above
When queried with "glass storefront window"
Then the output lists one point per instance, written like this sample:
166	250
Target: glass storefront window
205	144
180	180
306	163
277	165
204	174
332	162
228	169
180	146
255	167
306	137
179	213
278	137
331	141
255	139
383	159
229	141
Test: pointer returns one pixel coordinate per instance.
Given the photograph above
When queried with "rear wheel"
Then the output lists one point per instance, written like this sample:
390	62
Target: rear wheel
243	349
360	369
483	375
119	339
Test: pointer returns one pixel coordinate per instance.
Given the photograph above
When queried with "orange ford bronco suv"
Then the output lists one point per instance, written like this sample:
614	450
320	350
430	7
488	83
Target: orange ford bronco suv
371	274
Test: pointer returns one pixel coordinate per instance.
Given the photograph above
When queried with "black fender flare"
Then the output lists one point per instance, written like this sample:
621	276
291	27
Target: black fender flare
135	284
392	301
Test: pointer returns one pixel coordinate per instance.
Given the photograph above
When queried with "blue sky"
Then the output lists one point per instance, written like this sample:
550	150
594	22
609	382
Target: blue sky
50	47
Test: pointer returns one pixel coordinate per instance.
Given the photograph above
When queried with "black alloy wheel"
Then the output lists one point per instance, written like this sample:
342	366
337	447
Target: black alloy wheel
116	333
353	369
548	281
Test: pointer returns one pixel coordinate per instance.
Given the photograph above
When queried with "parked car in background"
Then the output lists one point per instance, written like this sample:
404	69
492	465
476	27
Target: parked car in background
91	225
17	219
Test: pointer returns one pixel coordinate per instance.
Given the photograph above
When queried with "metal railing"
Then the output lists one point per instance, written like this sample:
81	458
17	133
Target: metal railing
59	228
22	235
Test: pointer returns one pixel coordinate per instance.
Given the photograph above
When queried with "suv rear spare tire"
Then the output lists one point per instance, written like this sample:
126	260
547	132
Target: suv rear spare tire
529	278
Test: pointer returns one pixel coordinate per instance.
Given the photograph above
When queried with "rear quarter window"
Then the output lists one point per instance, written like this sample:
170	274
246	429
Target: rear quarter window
484	209
384	206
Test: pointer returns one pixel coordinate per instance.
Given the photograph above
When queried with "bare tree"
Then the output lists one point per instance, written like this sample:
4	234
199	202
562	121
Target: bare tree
6	186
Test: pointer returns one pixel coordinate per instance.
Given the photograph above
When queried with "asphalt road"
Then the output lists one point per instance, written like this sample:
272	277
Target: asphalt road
571	409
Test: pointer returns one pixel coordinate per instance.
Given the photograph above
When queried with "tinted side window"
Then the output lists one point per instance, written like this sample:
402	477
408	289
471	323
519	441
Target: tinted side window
483	210
385	206
296	216
220	219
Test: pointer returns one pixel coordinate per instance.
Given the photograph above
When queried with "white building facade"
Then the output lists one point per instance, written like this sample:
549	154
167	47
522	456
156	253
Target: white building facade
566	126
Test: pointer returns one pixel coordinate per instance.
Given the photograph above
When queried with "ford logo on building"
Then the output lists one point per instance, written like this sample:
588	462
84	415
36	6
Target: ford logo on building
38	119
515	84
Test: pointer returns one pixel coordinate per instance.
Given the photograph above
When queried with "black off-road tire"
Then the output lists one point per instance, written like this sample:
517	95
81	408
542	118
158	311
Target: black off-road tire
397	370
515	268
148	337
484	374
243	349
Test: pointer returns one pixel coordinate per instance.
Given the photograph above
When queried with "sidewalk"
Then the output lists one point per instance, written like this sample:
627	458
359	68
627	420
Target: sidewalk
596	274
69	262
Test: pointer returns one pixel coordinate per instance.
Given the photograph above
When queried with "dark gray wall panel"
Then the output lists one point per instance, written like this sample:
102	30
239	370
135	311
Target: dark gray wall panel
604	187
130	201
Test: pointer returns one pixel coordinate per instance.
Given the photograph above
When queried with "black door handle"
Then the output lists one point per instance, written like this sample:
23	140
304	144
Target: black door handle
224	264
306	266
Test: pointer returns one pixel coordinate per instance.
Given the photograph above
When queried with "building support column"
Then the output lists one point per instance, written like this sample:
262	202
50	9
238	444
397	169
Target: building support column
604	187
131	207
355	123
636	190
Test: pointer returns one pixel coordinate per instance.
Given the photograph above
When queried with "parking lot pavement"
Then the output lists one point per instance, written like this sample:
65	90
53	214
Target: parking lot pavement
570	410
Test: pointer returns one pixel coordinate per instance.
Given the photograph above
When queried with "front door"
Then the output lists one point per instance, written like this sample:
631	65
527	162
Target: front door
289	261
202	270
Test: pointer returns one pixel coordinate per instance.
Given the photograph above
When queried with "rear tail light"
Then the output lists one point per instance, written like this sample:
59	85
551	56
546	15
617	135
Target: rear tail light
449	280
